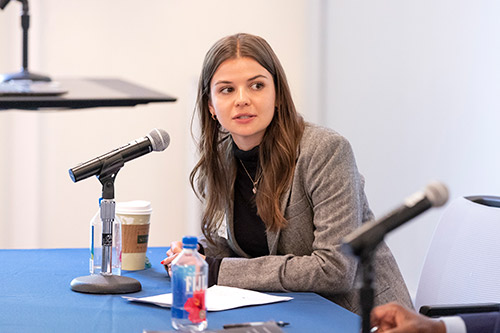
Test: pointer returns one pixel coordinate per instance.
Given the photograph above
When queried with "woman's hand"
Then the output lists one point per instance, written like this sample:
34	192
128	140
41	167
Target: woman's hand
175	249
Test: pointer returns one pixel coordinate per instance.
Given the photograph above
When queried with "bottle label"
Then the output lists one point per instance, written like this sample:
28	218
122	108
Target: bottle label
189	288
107	239
92	243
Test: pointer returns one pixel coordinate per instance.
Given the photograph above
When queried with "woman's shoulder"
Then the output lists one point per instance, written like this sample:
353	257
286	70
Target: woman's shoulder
325	151
320	138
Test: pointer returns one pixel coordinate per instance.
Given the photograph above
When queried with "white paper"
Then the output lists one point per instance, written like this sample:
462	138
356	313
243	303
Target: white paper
219	298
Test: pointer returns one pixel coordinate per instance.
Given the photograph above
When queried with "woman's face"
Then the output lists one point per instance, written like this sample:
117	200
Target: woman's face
242	96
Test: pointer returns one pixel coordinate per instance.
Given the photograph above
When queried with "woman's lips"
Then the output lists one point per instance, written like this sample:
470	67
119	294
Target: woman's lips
244	118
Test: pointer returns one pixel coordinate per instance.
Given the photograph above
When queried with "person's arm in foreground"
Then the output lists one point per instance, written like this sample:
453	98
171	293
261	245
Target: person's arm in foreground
394	318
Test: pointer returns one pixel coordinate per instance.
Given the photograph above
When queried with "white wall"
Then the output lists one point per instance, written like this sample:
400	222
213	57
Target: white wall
159	44
415	87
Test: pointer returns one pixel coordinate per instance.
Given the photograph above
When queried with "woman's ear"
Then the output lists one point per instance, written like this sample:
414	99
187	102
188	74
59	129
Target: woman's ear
211	108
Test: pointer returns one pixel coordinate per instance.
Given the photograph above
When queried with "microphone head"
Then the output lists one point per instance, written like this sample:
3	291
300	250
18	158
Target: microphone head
159	139
437	193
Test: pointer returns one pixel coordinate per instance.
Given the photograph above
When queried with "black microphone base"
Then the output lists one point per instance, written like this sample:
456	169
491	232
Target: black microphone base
105	284
24	75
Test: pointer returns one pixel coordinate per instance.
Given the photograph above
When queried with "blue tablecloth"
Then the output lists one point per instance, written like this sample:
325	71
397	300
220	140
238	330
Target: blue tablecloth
35	296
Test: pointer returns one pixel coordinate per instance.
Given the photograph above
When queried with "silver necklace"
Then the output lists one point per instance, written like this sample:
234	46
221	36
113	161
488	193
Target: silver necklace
254	189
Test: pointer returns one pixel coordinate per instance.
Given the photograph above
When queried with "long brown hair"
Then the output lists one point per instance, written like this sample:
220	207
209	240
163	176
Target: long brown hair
277	152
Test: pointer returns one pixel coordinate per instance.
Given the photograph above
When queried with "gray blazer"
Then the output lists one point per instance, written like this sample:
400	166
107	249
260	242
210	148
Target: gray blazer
325	202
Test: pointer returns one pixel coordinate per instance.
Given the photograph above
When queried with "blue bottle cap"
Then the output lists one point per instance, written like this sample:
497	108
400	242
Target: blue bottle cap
190	242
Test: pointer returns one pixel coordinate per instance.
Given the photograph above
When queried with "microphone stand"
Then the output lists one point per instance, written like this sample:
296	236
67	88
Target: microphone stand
25	73
365	253
106	282
366	293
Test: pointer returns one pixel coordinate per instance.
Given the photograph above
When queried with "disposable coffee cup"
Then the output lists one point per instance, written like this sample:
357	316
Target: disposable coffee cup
135	219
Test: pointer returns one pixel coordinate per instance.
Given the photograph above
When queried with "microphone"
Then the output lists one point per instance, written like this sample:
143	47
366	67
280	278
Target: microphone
371	233
156	140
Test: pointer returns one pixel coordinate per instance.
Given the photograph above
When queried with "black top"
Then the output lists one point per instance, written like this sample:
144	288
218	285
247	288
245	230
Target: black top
249	230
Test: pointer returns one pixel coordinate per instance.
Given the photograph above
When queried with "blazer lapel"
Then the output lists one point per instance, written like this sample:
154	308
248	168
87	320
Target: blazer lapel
273	236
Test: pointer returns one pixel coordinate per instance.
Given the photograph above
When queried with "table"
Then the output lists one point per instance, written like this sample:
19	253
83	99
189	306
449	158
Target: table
35	296
88	93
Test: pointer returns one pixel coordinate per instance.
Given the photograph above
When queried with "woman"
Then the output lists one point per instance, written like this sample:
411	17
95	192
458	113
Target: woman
279	193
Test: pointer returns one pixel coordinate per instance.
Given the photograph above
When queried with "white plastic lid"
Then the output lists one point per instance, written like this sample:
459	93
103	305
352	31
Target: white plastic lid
136	207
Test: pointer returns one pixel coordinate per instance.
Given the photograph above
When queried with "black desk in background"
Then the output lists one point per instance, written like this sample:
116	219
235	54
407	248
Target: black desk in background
35	296
88	93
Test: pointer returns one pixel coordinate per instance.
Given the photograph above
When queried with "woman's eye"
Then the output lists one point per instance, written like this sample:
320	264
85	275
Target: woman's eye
257	85
226	90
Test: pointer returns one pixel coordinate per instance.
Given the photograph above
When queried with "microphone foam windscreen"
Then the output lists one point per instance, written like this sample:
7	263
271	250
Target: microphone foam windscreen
437	193
159	139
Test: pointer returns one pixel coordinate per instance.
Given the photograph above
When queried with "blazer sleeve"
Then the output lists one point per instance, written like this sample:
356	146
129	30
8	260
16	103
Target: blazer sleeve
219	249
326	203
482	322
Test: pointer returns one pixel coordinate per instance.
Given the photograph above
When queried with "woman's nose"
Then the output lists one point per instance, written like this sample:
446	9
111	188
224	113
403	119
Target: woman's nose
242	98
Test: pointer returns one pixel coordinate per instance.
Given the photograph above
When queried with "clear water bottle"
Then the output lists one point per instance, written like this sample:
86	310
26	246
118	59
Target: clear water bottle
189	284
96	246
